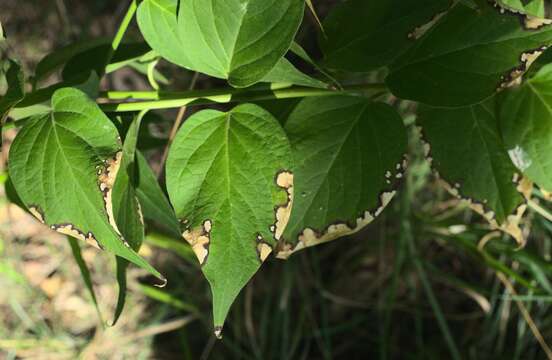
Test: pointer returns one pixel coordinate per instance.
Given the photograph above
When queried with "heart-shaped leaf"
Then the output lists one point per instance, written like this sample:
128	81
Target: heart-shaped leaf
348	153
526	126
238	40
229	180
466	149
363	35
64	164
469	55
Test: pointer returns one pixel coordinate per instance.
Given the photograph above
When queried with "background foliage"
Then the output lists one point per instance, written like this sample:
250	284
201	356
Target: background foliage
417	283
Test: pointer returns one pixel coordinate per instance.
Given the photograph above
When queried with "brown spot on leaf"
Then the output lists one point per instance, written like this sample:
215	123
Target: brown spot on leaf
199	239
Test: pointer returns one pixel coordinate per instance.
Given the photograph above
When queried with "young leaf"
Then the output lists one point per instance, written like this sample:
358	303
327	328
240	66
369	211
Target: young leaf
229	180
363	35
468	56
467	151
348	153
63	165
238	40
153	201
285	72
526	124
126	208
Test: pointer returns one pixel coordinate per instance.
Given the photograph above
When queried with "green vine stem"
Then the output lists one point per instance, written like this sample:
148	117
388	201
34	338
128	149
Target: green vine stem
122	30
169	99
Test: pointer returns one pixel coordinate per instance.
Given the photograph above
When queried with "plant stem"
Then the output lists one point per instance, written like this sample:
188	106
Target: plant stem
122	30
167	99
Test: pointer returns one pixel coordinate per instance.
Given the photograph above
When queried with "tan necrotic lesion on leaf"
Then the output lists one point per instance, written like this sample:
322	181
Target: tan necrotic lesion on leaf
284	180
199	239
263	248
512	224
37	213
515	76
310	237
71	230
107	175
66	229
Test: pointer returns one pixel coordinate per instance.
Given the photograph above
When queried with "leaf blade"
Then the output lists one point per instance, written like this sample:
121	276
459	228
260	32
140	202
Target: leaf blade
224	178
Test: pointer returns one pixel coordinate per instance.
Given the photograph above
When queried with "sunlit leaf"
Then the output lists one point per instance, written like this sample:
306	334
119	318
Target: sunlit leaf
238	40
64	170
229	180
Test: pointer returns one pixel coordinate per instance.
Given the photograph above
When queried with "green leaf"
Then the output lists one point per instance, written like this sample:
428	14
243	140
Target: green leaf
348	153
126	208
526	123
238	40
285	72
280	108
85	274
537	8
15	92
88	60
53	61
229	180
63	165
85	56
467	151
86	82
154	202
469	55
364	35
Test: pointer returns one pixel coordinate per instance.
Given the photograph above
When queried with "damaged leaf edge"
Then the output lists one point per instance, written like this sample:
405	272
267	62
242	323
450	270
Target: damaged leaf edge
511	225
309	237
